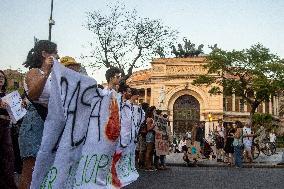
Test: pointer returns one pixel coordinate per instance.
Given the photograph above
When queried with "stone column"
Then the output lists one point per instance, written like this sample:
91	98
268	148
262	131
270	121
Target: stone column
233	102
145	95
263	107
274	105
277	106
270	105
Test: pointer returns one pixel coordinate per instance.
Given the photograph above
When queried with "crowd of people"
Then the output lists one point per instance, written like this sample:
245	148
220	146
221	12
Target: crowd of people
20	148
232	144
28	135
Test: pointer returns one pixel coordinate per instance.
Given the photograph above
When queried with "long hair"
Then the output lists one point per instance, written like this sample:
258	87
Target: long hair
150	112
34	58
5	82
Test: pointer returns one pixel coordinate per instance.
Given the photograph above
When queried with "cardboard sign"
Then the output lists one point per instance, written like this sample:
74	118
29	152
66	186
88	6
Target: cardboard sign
161	135
15	109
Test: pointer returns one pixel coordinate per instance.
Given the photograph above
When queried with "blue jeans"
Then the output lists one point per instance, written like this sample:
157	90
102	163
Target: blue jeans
162	160
282	157
238	153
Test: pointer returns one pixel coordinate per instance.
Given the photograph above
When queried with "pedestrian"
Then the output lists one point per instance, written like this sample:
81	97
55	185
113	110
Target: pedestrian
37	85
229	148
6	147
200	135
247	140
238	145
141	145
220	134
150	139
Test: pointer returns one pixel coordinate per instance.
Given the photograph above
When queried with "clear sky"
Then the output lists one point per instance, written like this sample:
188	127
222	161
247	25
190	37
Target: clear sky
232	24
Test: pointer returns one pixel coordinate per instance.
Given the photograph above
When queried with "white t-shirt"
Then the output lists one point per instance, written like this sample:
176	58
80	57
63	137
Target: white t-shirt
220	131
247	131
272	137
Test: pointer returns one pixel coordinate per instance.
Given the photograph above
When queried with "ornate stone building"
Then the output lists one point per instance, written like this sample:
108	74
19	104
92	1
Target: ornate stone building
167	85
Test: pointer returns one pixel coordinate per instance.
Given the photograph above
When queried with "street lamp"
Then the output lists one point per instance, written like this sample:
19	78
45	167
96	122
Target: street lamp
51	21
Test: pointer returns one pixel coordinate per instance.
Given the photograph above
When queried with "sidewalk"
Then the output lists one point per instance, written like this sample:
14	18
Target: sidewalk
263	161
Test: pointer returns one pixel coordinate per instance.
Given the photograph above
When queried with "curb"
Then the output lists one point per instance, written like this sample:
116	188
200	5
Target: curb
225	165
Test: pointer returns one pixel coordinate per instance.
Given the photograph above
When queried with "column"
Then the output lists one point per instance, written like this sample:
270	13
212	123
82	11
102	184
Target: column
233	102
270	105
145	96
277	106
263	105
274	105
245	107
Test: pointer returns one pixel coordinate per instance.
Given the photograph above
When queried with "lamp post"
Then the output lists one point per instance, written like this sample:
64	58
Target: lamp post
51	21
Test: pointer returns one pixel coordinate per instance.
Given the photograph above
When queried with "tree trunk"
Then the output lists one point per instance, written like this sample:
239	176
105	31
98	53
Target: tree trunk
254	106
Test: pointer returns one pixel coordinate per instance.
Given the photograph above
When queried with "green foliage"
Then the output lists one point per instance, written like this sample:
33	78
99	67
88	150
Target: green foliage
255	74
262	120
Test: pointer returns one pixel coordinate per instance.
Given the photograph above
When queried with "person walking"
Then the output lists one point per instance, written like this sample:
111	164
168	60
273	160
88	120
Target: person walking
238	145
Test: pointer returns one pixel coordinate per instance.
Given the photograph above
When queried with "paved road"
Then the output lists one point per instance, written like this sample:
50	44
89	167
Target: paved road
210	178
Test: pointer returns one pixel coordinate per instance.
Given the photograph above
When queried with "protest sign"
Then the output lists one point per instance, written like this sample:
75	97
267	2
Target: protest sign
80	136
15	109
161	135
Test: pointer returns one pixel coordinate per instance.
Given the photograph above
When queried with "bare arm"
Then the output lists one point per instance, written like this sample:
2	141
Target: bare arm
237	134
35	80
150	124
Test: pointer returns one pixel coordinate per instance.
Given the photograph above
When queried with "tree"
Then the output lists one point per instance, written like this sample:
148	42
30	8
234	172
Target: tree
254	74
125	40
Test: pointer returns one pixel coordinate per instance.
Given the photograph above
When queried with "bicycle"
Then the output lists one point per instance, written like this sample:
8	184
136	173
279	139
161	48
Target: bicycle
265	147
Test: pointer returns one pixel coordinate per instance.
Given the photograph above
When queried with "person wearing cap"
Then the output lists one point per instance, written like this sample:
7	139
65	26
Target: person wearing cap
70	63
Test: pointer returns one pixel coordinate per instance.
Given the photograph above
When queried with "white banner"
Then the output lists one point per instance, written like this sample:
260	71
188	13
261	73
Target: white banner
80	136
132	117
15	108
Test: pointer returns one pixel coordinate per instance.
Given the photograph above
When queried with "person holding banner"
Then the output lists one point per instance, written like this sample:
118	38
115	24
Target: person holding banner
113	77
6	146
37	85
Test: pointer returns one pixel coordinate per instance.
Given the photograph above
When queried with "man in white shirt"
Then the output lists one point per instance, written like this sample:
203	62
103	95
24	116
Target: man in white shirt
247	140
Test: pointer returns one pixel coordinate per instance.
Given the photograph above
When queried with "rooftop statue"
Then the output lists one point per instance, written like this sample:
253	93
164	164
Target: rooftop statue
188	50
160	52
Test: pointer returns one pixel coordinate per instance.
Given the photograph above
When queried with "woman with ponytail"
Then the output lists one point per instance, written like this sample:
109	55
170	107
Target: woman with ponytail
37	88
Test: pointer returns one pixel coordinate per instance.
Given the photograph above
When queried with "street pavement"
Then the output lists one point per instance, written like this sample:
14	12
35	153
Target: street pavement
210	178
263	173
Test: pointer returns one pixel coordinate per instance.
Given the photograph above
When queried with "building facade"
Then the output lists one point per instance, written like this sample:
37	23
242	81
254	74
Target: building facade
15	80
167	85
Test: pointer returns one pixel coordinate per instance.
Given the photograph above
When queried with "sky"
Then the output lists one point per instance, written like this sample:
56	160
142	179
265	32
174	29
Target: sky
232	24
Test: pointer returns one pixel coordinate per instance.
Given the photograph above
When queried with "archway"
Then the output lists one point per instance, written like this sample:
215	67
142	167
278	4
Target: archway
186	111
